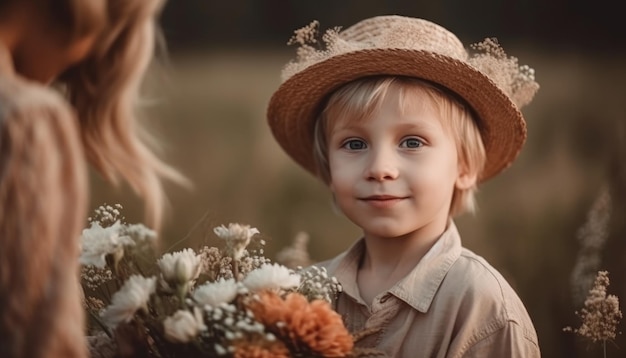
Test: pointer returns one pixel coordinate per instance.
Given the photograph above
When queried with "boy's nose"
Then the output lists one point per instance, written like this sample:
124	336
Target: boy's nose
381	167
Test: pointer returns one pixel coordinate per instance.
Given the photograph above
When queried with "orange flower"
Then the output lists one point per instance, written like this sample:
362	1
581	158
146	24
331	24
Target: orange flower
259	349
314	324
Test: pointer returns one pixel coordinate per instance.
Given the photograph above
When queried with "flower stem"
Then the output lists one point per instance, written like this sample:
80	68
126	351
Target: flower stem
235	270
104	328
181	293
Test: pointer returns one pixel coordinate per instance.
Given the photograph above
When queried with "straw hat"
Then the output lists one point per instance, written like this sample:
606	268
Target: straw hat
492	83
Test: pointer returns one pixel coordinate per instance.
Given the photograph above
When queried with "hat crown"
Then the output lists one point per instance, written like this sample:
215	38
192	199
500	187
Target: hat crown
393	32
400	32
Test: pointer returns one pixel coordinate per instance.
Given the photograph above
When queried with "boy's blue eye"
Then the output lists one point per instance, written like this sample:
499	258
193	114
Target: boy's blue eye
355	144
411	143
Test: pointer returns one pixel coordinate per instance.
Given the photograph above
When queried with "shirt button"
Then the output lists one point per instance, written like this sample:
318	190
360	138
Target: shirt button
386	297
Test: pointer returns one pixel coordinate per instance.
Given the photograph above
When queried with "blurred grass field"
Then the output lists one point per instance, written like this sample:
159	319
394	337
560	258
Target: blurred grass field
208	110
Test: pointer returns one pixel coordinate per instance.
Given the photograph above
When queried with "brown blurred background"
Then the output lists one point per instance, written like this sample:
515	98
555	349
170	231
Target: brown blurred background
207	106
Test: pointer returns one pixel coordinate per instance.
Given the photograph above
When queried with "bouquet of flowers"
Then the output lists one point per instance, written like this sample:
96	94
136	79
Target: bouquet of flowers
215	302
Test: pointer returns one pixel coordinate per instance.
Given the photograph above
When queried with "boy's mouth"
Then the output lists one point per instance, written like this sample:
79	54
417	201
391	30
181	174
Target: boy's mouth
381	197
382	201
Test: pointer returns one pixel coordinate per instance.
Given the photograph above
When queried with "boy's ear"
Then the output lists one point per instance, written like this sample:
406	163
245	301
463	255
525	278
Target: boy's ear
466	178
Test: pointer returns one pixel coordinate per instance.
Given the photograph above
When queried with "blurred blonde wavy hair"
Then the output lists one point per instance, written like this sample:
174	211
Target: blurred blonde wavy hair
44	144
359	99
104	91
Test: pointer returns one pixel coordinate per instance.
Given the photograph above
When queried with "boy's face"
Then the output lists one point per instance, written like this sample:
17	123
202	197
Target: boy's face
393	174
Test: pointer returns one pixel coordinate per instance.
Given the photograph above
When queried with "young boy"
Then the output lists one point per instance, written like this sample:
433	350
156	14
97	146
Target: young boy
402	124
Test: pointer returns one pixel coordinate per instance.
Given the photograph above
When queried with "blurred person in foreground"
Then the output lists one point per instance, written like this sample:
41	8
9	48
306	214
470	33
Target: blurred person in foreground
70	72
403	124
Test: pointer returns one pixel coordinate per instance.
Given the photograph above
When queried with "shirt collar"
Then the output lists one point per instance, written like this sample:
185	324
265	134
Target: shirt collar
419	287
347	267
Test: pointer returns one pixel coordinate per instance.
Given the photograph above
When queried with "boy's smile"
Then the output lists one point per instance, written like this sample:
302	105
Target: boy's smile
393	173
382	201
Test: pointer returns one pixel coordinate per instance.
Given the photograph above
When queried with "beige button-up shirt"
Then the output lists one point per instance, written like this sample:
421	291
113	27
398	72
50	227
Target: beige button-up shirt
452	304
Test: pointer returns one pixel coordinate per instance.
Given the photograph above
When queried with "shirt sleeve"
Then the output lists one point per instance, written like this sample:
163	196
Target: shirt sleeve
43	197
509	341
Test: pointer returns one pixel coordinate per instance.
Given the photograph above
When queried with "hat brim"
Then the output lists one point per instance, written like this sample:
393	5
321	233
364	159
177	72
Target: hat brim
294	107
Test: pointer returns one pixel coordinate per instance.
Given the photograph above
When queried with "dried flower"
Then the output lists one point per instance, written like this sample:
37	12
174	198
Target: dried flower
260	349
93	276
305	35
107	215
216	293
233	321
203	306
98	242
311	50
184	326
249	263
139	232
93	304
271	277
317	285
601	314
132	297
237	238
518	82
313	325
179	268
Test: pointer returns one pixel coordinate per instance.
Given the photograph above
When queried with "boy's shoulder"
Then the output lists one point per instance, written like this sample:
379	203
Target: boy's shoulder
474	272
472	284
472	275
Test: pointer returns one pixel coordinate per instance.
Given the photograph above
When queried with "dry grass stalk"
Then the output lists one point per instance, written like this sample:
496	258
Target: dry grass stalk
592	237
600	315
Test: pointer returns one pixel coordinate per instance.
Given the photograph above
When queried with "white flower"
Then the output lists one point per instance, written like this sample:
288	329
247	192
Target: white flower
183	326
140	232
98	242
180	267
214	293
220	350
237	238
133	296
271	277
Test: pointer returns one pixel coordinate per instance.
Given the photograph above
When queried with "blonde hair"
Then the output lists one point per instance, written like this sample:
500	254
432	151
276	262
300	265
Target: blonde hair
104	90
359	99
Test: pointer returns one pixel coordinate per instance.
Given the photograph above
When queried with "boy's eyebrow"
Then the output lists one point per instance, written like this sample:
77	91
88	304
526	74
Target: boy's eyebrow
411	127
421	125
345	125
342	130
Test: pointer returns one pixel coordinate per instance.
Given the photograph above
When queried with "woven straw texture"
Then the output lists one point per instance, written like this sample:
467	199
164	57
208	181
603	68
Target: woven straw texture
492	83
